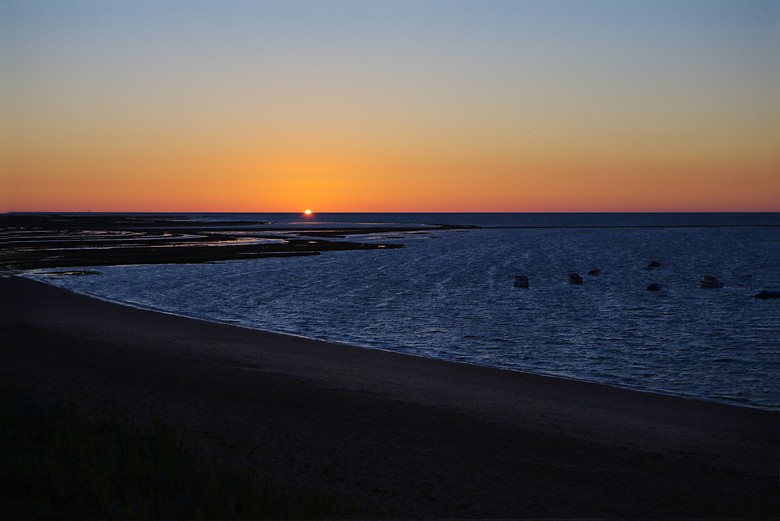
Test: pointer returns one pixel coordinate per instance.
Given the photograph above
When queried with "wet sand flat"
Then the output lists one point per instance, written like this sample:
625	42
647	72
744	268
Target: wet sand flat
411	436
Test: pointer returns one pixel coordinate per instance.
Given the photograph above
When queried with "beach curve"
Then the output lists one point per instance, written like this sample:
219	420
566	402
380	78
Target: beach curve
412	436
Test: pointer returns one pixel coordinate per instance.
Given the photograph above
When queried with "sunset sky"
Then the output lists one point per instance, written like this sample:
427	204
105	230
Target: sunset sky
382	106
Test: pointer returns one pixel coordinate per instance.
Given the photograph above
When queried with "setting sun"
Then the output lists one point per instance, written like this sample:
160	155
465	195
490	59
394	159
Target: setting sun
307	212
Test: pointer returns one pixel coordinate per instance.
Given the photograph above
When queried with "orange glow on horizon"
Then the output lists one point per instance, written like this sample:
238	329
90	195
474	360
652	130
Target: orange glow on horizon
400	188
570	176
543	110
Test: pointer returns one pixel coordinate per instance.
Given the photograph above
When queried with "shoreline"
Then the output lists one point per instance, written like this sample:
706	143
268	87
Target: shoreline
388	350
412	435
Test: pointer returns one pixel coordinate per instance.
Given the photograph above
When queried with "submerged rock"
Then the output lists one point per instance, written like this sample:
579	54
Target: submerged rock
708	281
521	281
768	293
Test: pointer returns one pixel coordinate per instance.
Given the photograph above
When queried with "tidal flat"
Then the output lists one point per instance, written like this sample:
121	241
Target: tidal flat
35	241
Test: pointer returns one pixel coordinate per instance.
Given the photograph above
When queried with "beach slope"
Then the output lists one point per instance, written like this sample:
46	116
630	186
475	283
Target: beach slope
411	436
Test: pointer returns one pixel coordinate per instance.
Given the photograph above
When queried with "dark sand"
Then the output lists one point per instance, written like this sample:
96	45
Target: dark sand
415	437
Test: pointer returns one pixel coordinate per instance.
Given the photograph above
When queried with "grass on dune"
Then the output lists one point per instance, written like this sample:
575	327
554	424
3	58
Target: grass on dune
57	464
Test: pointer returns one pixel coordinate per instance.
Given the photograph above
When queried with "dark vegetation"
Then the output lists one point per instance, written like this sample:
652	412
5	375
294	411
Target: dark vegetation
55	463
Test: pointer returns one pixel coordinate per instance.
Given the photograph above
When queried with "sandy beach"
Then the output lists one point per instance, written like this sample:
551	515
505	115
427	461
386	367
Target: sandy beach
415	437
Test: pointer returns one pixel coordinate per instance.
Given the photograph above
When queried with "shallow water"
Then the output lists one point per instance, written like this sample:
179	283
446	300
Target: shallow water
449	295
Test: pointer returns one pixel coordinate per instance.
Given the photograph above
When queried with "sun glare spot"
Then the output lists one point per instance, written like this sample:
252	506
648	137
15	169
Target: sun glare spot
307	212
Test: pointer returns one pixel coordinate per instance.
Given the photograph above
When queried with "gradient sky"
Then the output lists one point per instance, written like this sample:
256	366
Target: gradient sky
484	105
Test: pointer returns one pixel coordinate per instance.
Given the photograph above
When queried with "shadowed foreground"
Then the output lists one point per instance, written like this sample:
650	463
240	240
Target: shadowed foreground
55	463
411	436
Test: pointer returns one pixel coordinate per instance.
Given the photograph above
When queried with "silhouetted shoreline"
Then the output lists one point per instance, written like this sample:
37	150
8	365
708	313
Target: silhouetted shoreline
32	241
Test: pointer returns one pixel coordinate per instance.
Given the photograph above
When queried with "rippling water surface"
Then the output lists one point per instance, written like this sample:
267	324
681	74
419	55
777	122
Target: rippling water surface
449	294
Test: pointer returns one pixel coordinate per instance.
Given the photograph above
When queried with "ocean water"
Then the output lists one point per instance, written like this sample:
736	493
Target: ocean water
450	295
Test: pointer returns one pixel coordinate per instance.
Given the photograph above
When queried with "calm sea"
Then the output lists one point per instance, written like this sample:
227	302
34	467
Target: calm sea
450	295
